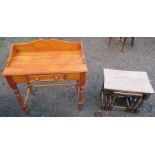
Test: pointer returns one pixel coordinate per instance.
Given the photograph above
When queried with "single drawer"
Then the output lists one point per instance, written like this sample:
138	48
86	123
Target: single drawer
53	77
19	79
73	76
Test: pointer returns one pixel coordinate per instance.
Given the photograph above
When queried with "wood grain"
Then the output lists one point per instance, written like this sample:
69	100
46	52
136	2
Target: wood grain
127	81
51	56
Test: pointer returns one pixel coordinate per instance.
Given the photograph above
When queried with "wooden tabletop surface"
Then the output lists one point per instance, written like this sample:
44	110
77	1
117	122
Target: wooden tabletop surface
127	81
45	57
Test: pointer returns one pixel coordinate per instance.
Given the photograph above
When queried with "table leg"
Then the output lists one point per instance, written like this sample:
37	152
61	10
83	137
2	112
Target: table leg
139	102
13	85
108	100
81	90
135	103
142	100
77	86
102	89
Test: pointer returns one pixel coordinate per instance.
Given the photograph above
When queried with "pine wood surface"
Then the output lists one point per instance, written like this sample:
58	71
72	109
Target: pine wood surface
45	57
45	60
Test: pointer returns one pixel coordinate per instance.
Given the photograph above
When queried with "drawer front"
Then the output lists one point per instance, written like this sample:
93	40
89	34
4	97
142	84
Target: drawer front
40	78
19	79
53	77
73	76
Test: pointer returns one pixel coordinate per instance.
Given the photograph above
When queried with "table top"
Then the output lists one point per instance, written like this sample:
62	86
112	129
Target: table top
127	81
45	57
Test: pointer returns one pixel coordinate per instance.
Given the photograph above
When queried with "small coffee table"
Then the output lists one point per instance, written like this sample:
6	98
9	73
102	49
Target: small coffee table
134	86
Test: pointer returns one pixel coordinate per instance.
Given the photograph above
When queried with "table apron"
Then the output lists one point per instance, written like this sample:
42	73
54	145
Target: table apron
44	78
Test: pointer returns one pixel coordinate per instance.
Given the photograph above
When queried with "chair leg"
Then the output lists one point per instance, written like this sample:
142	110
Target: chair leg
124	43
120	39
110	38
132	41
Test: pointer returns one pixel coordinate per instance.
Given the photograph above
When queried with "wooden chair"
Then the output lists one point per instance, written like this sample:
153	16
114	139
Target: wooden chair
124	41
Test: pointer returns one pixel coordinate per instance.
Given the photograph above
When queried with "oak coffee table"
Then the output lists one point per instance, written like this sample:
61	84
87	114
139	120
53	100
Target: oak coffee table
44	61
134	86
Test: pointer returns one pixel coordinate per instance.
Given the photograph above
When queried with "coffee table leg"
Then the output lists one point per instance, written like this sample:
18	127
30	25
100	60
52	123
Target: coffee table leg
141	102
13	85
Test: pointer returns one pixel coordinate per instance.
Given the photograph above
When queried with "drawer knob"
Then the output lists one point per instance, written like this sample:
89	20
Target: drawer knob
56	77
37	78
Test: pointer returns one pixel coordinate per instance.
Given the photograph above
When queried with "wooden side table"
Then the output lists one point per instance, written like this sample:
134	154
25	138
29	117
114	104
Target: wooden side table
46	60
134	86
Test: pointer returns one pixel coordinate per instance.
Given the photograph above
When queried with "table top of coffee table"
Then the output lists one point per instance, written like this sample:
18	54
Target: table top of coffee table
127	81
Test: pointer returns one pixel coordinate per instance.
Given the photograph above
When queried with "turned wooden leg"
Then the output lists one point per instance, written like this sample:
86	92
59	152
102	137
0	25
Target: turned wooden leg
142	100
124	44
105	100
139	102
102	89
110	38
77	86
13	85
81	89
132	41
81	94
135	100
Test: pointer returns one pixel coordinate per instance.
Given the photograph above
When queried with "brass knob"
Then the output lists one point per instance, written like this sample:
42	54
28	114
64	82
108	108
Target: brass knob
56	77
37	78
